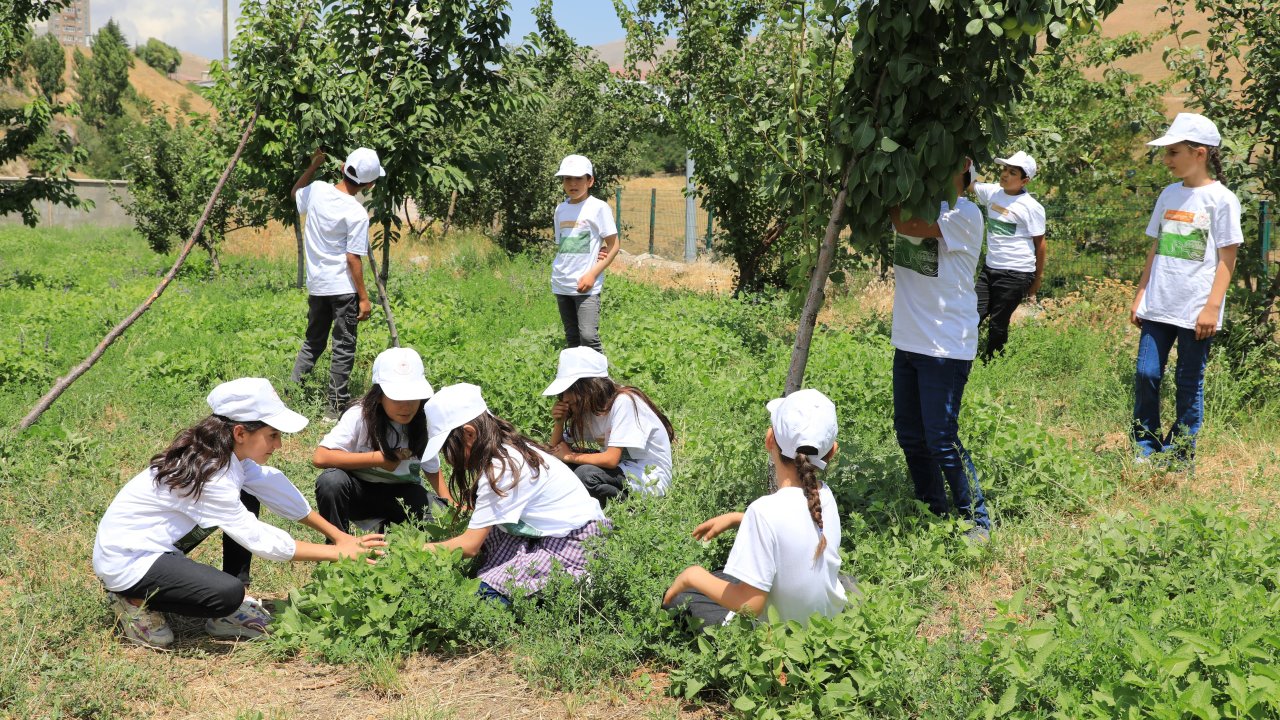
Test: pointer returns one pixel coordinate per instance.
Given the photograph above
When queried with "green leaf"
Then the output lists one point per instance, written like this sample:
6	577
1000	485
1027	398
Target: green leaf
887	144
974	27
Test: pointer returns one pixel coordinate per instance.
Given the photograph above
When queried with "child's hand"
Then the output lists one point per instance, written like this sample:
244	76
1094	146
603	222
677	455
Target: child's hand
1207	323
586	282
604	253
1133	315
561	451
560	411
351	546
717	525
680	585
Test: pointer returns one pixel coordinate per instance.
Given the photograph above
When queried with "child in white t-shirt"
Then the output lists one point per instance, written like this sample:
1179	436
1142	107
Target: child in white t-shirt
935	338
1196	226
586	243
634	435
374	453
195	485
787	552
1015	247
530	513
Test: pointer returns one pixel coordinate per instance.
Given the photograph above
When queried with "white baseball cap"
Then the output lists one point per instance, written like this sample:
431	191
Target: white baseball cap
1020	160
398	371
1190	127
254	400
804	419
363	166
578	362
449	409
575	166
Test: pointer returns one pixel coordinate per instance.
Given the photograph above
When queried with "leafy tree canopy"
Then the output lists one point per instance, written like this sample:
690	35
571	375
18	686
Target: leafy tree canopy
47	60
160	55
102	79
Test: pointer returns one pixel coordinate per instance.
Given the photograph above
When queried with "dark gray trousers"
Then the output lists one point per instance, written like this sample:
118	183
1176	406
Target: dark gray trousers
580	315
603	484
342	498
325	313
178	585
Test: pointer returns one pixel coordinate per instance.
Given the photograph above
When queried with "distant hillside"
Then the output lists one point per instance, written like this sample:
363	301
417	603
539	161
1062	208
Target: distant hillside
166	94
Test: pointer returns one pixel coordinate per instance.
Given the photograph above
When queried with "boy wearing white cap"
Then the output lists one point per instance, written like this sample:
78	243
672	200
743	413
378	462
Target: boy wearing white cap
194	486
1183	288
336	237
787	552
586	244
1015	247
373	457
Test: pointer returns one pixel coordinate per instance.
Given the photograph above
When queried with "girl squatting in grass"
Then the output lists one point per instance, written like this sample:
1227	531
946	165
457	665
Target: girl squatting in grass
529	511
197	484
586	243
787	552
374	454
634	435
1196	226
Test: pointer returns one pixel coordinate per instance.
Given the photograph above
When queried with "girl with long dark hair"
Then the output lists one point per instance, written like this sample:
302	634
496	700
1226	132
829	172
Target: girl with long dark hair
195	485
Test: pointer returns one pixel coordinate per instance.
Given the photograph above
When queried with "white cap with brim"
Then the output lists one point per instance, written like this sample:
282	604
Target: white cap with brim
804	419
363	166
1190	127
254	400
575	363
448	410
399	372
1020	160
575	166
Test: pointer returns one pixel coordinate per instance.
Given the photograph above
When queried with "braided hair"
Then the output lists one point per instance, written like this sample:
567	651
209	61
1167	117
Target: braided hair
1213	156
807	473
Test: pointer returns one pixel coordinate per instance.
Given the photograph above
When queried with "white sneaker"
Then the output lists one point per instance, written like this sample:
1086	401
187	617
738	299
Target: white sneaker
249	621
140	625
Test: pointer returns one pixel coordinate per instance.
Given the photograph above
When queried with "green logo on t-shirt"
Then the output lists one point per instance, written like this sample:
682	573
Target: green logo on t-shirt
1001	228
1184	247
575	243
921	258
521	528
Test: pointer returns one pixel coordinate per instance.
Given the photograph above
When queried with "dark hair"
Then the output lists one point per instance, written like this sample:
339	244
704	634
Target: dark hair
812	486
596	396
1213	156
377	425
353	179
493	436
198	453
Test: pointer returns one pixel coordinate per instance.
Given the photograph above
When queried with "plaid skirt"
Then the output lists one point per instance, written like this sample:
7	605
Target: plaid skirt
519	562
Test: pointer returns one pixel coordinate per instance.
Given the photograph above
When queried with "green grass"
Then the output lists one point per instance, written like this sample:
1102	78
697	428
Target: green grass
945	629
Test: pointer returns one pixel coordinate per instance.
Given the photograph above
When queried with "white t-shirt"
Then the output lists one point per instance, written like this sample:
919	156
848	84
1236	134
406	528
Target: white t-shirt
774	550
350	435
646	450
336	224
935	307
1190	224
553	504
1012	222
580	232
145	520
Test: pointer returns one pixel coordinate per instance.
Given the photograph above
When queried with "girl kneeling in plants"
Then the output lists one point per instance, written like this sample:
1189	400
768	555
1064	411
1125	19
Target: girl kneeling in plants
374	454
199	483
635	436
530	512
787	552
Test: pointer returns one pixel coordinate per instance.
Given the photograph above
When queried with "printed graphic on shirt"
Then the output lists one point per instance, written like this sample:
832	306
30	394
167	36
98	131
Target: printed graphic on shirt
521	529
921	258
1000	228
1183	235
575	242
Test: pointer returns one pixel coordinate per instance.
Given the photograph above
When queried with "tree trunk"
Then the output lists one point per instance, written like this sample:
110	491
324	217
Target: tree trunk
448	216
302	252
817	285
212	249
65	382
380	278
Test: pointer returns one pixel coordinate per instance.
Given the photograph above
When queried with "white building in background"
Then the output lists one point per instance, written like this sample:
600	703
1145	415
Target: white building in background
71	24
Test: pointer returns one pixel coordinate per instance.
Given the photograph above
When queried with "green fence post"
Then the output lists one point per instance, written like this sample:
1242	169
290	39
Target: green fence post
653	205
1264	229
617	210
711	214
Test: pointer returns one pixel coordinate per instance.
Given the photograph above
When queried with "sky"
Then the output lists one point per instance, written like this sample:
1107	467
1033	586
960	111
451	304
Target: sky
196	25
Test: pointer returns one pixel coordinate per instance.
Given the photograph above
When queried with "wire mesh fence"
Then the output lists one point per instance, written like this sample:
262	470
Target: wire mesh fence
1103	237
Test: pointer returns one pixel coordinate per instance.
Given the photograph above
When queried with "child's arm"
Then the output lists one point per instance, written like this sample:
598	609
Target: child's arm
915	227
355	266
559	414
341	459
440	486
469	542
346	547
730	596
317	159
1142	285
607	458
317	522
717	525
1207	323
609	251
1041	251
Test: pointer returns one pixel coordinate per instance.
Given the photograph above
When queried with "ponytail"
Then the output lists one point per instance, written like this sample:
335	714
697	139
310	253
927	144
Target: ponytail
198	453
808	475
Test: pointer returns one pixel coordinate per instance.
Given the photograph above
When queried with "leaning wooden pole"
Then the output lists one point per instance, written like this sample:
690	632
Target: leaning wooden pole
65	382
382	294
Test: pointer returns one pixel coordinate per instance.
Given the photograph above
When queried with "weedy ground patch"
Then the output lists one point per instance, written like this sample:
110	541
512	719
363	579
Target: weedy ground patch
1108	590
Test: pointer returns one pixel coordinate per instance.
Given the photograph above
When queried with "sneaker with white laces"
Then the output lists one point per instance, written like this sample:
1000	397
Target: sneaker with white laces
249	621
140	625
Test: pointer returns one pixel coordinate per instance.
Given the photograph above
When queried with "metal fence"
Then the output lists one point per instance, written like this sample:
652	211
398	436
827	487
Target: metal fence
1103	238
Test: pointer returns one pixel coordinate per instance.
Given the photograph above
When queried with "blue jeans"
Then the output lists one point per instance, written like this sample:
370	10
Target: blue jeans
1153	355
926	411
